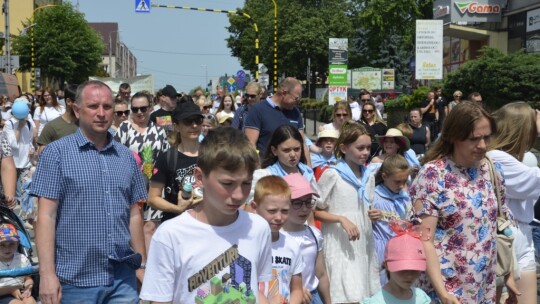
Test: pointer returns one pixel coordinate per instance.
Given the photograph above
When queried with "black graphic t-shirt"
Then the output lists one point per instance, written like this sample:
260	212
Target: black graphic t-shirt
185	166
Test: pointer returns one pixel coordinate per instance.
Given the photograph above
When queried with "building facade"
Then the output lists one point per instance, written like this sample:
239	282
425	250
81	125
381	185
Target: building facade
508	26
117	60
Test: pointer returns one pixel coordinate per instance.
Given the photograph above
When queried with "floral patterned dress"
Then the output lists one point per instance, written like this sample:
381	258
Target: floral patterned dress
464	201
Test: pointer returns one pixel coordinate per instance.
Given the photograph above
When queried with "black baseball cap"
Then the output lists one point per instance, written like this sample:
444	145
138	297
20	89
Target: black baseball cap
185	110
170	91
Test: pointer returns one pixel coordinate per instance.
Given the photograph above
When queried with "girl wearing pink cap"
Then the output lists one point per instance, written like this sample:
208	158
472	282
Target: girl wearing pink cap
404	260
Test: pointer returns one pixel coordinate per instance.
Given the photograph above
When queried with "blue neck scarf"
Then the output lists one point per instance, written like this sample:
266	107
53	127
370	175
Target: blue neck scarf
319	160
400	200
347	174
277	169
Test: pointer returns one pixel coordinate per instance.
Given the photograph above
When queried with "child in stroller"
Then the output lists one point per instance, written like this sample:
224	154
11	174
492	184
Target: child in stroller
16	267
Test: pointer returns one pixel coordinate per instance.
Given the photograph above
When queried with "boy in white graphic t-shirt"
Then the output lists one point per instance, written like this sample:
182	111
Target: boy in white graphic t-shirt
272	201
214	252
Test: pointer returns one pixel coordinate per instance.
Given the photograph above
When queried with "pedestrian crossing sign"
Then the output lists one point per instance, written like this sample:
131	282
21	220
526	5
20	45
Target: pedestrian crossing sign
142	6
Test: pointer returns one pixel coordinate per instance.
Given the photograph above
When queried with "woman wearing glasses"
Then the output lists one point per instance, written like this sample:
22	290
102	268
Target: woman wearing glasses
340	114
149	141
48	110
375	125
121	114
457	100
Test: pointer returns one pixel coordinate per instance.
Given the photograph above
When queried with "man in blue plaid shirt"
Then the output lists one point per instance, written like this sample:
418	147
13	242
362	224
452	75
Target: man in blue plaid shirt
89	230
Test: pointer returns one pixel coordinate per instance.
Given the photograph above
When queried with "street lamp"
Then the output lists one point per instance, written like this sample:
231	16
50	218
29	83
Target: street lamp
110	52
32	51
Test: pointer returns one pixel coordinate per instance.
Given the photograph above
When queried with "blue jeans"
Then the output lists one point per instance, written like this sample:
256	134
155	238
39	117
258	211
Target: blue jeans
536	239
122	291
315	298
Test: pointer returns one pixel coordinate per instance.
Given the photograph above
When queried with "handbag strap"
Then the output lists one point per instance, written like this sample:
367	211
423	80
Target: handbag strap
497	187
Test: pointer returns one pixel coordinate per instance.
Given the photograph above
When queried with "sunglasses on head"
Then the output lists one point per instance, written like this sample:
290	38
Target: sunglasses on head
137	109
211	117
123	113
193	120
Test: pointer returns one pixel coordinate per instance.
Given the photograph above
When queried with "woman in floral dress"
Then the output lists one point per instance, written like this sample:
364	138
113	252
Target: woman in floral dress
454	197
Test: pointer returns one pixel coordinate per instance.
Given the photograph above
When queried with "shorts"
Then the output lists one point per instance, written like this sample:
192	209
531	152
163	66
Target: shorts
524	247
151	214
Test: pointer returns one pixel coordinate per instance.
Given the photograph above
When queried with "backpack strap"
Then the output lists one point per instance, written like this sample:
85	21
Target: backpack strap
314	237
172	158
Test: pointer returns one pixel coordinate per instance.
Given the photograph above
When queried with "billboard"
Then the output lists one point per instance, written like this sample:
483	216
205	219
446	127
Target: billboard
429	49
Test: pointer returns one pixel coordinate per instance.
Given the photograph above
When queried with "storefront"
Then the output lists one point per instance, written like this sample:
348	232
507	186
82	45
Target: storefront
468	26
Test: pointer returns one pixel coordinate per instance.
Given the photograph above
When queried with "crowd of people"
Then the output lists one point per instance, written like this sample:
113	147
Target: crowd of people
189	198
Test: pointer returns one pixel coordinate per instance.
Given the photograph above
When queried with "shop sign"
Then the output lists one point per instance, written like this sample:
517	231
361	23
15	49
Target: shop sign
533	20
474	7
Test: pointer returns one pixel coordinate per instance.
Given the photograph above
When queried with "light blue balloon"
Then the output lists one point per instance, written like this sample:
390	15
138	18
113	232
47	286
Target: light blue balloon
20	110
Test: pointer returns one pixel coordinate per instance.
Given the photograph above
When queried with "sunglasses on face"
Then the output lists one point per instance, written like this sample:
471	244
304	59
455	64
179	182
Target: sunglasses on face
141	109
367	111
192	120
251	95
457	96
297	204
122	113
342	115
365	100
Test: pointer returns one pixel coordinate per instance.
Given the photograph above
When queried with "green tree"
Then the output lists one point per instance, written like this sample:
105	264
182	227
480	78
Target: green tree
498	77
66	48
303	31
386	33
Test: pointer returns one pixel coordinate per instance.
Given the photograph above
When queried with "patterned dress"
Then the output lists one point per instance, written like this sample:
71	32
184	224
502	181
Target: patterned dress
464	201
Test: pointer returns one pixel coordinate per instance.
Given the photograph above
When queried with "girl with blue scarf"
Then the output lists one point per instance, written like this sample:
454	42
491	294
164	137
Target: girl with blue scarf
389	201
284	155
348	245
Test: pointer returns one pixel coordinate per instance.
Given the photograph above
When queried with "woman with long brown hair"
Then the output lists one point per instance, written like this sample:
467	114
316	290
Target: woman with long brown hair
48	109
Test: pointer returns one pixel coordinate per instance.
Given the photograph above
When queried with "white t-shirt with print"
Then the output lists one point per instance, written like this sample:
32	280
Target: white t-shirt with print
286	262
309	249
193	262
48	114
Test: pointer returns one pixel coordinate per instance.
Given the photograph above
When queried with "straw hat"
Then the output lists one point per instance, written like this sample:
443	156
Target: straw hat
327	133
396	134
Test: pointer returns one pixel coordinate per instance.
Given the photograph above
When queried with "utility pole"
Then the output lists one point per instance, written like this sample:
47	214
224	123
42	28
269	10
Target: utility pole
5	10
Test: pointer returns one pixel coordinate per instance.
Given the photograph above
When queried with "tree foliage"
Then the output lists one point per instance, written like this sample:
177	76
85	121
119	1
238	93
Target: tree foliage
380	33
499	78
303	30
66	48
385	33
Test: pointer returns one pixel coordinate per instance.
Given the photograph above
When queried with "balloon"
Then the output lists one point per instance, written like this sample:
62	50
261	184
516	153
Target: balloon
20	110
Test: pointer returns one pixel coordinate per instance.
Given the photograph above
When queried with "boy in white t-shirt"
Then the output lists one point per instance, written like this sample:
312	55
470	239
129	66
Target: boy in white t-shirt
272	201
213	253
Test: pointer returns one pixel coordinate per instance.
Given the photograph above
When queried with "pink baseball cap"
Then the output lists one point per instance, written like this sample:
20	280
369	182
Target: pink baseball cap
405	252
299	185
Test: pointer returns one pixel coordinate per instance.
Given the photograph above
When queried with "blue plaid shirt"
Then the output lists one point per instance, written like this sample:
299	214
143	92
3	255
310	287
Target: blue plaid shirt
239	119
95	190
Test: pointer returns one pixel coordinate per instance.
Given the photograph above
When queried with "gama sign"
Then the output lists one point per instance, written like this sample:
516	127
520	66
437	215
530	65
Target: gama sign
474	7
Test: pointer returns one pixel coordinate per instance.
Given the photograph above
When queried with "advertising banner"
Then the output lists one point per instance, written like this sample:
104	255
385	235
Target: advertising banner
336	94
429	49
533	20
337	75
388	79
338	51
137	83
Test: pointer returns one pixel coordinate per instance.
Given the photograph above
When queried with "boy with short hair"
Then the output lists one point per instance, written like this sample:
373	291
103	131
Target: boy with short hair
272	201
13	290
213	253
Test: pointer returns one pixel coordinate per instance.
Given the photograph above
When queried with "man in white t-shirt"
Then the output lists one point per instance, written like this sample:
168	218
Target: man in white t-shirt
272	201
213	252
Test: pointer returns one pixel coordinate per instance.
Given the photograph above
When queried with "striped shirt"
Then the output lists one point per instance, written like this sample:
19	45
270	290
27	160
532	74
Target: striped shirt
94	190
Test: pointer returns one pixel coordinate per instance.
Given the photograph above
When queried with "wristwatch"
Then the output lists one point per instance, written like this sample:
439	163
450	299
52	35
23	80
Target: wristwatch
143	266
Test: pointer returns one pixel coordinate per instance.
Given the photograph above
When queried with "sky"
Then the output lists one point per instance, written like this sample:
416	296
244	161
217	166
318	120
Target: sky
178	47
